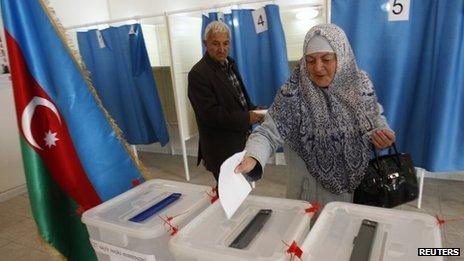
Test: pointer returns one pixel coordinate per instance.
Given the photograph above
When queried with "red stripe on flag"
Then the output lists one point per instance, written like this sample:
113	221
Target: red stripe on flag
45	130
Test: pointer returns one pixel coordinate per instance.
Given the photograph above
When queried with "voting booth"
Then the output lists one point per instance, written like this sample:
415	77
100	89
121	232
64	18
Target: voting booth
346	231
261	229
138	224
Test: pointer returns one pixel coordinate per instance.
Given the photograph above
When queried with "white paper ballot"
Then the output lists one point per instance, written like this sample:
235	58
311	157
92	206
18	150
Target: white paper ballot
233	187
262	112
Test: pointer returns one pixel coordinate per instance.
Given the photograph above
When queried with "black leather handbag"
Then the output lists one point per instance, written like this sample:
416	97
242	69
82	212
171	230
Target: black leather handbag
390	180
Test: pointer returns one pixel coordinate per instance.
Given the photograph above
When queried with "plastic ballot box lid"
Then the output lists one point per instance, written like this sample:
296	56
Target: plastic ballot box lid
259	230
394	234
135	223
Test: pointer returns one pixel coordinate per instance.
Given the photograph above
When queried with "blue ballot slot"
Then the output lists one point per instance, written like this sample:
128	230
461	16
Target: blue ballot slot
157	207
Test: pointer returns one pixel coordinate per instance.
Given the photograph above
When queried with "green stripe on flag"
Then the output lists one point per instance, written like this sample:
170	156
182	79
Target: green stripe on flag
54	212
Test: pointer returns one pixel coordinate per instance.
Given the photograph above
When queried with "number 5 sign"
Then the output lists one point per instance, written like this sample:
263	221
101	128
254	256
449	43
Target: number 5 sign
399	10
260	19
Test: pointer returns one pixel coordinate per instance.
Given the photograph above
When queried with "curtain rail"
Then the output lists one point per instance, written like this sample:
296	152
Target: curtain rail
110	21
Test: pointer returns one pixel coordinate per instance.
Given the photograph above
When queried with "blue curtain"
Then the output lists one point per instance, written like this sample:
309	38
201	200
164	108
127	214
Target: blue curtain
261	58
417	67
122	75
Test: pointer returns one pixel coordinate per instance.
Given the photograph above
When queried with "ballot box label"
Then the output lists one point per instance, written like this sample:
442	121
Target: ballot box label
119	253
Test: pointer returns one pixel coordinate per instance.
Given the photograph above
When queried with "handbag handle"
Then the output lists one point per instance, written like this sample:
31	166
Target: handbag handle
389	152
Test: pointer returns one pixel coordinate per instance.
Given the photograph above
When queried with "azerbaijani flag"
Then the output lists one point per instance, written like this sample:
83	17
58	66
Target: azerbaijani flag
74	156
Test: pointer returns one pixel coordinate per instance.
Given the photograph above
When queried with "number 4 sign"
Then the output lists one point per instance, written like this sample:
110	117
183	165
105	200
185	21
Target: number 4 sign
260	20
399	10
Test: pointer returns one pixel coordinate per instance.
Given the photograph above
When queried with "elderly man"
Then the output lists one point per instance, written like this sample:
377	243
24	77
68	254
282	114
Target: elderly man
223	111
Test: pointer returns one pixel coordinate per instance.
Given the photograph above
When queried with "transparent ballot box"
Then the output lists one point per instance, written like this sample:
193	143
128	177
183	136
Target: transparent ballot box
261	229
346	231
138	224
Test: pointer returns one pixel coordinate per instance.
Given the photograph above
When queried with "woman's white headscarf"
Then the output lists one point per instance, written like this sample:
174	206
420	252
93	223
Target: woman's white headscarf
327	127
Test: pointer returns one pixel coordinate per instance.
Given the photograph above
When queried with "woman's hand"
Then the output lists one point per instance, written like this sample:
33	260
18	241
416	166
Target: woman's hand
256	117
383	138
248	163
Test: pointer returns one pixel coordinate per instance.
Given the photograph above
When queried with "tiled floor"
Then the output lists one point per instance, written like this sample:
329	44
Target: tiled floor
19	239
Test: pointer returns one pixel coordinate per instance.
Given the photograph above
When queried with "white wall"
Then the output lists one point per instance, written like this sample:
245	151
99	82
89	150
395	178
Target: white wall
12	180
124	8
71	12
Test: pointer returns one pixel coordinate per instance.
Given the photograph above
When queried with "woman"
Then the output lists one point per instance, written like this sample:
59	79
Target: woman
327	118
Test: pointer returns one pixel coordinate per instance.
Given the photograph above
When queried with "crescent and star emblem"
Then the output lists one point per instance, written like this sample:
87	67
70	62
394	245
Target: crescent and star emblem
26	118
